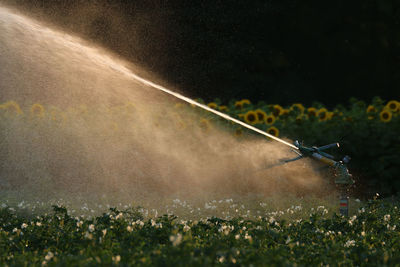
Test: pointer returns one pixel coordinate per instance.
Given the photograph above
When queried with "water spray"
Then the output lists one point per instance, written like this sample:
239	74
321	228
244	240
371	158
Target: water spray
93	59
343	177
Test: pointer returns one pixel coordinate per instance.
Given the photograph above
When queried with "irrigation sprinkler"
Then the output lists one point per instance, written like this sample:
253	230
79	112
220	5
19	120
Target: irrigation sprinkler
343	177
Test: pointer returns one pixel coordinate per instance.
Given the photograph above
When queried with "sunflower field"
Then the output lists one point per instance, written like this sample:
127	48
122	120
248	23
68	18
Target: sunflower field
368	132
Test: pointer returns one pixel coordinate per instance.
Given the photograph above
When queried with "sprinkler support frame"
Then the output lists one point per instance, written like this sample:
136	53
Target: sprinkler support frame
343	179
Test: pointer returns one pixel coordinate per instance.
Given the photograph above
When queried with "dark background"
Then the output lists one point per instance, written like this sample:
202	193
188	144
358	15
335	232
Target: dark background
280	51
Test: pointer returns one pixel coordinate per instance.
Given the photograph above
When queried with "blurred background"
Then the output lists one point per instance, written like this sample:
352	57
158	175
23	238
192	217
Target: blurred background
316	71
282	51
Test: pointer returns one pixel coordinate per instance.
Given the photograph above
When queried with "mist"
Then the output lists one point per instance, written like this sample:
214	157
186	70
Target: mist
103	133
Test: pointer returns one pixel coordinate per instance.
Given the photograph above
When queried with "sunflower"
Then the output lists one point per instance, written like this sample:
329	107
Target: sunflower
180	124
238	132
37	110
300	118
130	107
212	105
223	108
277	110
322	114
285	111
371	109
393	105
204	124
330	115
261	115
270	119
312	112
385	115
178	105
298	107
238	105
273	131
251	117
11	107
245	102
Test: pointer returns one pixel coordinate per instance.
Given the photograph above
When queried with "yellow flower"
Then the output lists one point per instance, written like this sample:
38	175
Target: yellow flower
204	124
371	109
212	105
180	124
270	119
277	110
241	116
223	108
329	115
238	132
393	105
245	102
322	114
385	115
178	105
300	118
11	106
251	117
130	107
298	107
285	112
273	131
37	110
312	112
261	115
238	105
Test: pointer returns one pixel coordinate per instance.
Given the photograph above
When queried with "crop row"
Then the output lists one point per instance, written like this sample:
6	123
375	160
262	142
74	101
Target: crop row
370	237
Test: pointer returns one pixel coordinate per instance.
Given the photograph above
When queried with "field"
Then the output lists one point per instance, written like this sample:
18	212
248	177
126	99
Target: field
39	226
313	237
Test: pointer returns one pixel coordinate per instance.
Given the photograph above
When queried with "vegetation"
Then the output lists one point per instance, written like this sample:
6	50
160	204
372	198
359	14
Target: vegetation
369	237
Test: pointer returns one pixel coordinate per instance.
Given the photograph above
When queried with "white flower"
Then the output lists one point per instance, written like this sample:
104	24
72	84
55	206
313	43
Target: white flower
38	224
88	236
271	220
175	239
104	232
116	259
237	236
79	223
91	228
129	228
186	228
119	216
350	243
24	225
248	237
221	259
49	256
386	217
